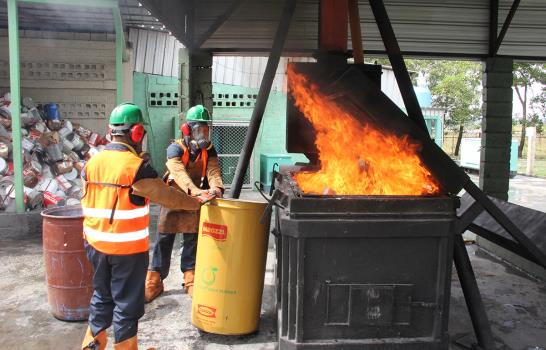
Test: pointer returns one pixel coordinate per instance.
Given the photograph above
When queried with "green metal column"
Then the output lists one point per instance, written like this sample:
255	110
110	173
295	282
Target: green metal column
195	78
15	89
119	54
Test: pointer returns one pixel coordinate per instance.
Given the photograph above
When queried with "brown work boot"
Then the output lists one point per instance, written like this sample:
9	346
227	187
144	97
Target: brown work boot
188	281
153	287
91	342
127	344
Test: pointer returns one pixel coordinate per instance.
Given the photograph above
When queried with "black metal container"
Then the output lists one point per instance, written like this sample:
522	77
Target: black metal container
364	272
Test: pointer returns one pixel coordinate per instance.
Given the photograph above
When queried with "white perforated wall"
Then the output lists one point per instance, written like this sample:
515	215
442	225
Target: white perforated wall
79	75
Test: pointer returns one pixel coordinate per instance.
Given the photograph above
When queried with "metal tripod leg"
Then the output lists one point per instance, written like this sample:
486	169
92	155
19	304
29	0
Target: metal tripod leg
472	296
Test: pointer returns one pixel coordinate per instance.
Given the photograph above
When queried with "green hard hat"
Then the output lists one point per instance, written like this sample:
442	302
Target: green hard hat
198	113
126	113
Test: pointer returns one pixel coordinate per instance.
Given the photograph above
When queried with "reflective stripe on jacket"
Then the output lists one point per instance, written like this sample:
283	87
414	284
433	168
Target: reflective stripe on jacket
112	224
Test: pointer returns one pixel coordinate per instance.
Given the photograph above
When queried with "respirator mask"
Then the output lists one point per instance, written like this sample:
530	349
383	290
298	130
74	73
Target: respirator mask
200	135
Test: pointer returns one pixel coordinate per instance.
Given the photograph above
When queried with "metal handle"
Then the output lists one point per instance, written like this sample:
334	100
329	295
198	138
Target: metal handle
271	201
274	174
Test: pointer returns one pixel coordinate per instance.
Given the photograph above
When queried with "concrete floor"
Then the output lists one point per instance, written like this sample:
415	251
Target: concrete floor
515	302
528	191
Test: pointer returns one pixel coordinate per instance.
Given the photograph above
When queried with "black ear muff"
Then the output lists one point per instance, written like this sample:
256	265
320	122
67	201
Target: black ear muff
137	133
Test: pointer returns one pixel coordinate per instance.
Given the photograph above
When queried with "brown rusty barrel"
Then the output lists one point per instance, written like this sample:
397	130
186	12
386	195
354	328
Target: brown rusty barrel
68	272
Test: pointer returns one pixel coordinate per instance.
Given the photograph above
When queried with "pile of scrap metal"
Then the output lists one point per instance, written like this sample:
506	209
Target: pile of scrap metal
54	152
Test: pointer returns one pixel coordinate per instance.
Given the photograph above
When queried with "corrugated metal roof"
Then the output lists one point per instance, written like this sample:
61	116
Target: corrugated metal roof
154	52
423	27
80	19
60	18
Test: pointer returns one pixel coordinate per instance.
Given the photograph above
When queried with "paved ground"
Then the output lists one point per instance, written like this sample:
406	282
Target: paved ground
516	303
528	191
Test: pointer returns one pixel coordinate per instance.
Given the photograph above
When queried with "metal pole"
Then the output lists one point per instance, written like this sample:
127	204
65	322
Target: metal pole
120	43
397	62
472	296
263	95
15	90
356	33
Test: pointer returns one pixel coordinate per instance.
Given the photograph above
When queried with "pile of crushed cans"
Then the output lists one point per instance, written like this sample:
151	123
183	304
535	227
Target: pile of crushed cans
54	153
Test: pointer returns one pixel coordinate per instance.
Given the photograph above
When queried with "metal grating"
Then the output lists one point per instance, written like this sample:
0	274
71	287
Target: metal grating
228	139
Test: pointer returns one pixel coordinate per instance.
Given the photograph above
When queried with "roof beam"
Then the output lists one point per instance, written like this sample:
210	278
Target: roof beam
506	24
493	25
218	22
86	3
173	14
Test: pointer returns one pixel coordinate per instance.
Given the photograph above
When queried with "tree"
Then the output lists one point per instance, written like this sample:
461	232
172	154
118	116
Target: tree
455	89
525	75
454	86
538	114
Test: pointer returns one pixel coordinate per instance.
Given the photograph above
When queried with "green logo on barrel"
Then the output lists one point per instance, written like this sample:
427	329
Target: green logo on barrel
209	275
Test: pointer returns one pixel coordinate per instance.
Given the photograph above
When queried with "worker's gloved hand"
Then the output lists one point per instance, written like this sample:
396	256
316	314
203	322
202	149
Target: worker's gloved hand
204	196
216	192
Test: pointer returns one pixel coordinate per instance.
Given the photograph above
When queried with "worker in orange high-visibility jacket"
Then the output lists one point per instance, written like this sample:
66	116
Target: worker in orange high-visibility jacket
119	185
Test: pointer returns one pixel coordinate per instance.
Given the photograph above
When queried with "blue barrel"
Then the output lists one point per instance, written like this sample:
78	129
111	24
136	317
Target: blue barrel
52	111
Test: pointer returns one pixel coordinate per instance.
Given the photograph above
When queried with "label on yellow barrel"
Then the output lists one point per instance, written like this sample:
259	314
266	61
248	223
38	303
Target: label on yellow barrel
215	231
206	311
205	315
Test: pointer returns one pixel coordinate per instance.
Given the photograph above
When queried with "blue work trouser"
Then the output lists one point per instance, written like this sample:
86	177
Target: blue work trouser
118	292
163	247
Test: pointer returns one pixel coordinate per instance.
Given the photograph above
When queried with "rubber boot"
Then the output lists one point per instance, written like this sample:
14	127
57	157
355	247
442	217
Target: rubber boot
129	344
97	342
188	281
153	287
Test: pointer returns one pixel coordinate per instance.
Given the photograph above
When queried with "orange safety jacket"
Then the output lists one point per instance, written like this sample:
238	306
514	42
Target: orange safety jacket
112	224
204	155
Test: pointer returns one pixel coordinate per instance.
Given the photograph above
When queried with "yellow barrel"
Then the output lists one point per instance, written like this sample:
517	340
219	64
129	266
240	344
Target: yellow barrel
230	267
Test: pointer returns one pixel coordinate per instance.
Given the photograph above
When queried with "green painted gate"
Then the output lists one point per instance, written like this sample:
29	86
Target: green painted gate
158	96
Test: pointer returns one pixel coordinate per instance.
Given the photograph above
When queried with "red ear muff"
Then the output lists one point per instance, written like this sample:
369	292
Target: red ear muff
186	130
137	133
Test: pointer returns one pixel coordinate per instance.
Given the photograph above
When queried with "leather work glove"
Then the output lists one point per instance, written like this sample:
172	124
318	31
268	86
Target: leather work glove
204	197
158	192
216	192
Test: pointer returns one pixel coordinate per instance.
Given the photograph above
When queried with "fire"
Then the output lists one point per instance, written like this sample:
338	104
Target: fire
356	158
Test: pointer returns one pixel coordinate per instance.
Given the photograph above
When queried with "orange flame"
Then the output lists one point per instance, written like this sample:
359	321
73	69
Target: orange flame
356	158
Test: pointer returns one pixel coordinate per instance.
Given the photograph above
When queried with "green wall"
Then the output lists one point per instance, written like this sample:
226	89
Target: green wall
158	97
